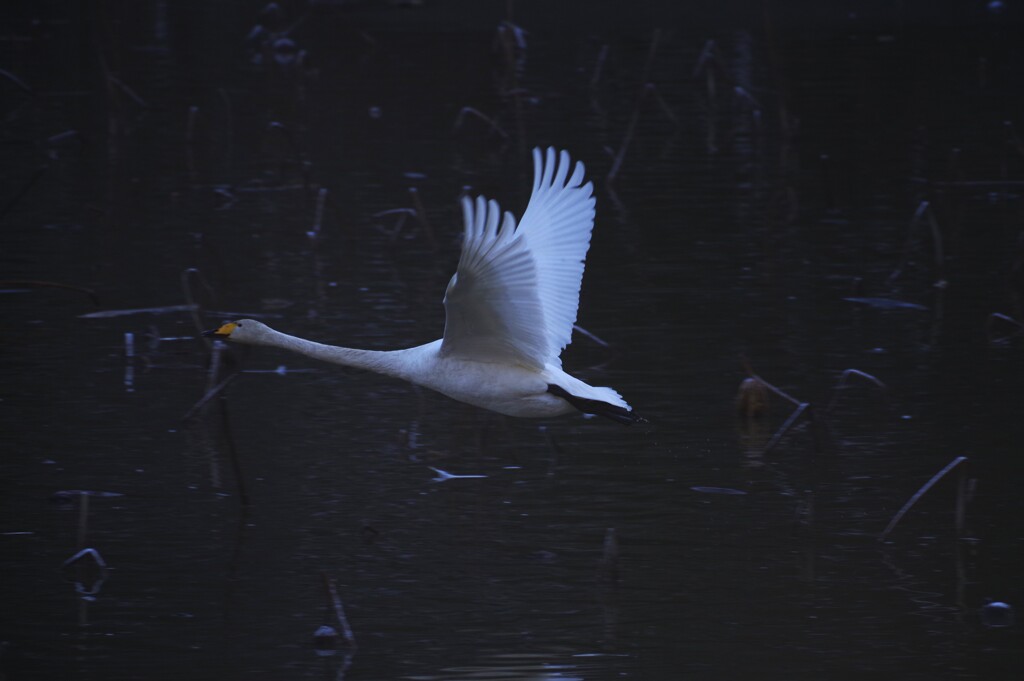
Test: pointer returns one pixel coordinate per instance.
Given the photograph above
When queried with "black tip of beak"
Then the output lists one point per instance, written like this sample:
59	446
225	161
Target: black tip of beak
212	333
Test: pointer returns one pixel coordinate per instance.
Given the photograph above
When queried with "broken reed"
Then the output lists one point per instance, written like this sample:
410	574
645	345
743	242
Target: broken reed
961	498
470	111
753	394
334	599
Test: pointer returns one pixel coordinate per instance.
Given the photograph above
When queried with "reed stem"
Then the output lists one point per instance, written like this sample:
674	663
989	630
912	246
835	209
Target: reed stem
339	610
921	492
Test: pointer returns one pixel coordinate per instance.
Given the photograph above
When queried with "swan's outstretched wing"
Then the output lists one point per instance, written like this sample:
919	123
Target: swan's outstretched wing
516	292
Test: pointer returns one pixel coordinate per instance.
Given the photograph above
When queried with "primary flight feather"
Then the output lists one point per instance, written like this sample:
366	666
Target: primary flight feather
509	308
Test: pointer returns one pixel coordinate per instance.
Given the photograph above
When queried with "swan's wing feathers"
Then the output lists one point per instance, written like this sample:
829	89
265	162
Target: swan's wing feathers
516	292
493	313
557	225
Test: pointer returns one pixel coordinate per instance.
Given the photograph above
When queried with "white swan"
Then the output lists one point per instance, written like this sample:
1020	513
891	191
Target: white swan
510	309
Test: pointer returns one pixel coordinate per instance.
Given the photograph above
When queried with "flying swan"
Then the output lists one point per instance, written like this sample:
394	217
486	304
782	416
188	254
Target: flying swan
510	308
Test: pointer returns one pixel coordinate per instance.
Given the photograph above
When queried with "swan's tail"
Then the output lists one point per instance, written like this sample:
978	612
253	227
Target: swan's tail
602	402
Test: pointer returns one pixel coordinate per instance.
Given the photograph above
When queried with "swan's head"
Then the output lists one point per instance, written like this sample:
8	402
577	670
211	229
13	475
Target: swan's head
247	331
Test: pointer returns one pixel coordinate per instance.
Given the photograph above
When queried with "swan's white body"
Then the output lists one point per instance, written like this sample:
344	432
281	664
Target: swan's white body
510	309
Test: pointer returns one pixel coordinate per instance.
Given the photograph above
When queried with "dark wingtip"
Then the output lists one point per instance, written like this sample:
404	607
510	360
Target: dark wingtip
626	417
636	418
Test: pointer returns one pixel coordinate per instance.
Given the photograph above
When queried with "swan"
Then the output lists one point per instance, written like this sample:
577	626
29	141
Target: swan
510	309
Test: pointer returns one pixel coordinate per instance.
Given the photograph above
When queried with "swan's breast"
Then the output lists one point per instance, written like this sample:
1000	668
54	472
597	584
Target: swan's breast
504	388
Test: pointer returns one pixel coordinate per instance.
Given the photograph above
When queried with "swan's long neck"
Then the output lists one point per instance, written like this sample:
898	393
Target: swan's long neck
396	363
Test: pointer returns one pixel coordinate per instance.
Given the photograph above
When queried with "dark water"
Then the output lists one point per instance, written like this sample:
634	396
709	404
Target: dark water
738	226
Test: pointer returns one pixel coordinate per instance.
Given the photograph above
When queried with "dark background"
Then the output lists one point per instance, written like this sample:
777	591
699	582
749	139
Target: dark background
161	170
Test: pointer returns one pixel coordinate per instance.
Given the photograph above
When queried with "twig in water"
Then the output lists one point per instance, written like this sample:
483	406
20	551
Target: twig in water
63	138
1013	140
236	463
18	82
444	476
396	230
129	345
395	211
973	183
665	108
128	91
805	407
193	307
95	577
92	553
339	610
953	164
552	442
35	283
517	33
421	215
784	395
608	567
212	387
921	492
964	490
230	134
287	133
1018	328
236	460
599	66
646	89
213	371
655	41
468	110
708	64
83	574
318	217
210	394
511	40
107	314
829	187
503	42
755	106
579	329
129	366
923	211
630	129
83	520
14	200
705	59
842	384
190	124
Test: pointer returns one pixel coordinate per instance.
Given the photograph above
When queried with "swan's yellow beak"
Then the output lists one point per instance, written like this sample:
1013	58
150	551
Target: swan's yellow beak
222	331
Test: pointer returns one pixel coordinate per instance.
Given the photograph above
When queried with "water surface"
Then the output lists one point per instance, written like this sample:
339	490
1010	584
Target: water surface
738	227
